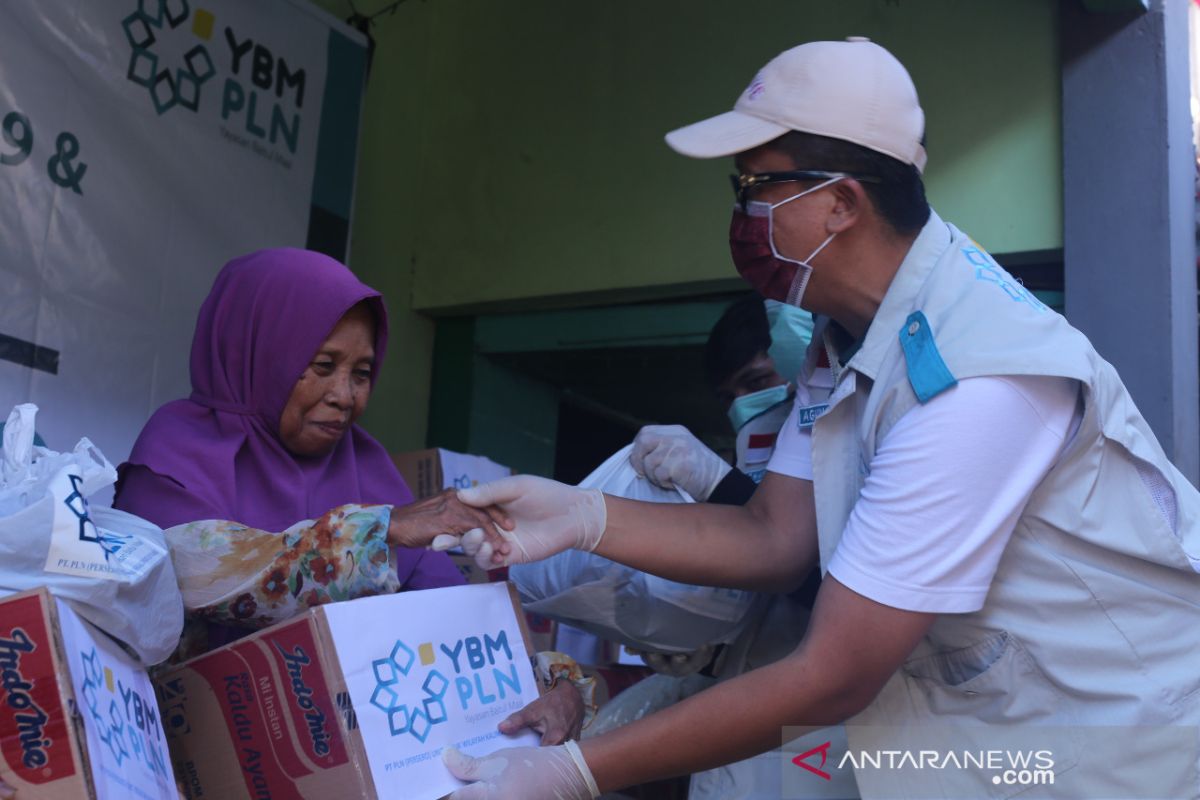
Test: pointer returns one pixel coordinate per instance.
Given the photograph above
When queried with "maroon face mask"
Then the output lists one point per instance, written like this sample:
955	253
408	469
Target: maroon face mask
759	262
753	255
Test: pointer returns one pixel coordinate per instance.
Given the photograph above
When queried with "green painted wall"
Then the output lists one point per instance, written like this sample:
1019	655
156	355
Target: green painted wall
387	216
546	172
513	159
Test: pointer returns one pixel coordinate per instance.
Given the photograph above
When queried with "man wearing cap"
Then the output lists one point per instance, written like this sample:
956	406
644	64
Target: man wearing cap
1010	559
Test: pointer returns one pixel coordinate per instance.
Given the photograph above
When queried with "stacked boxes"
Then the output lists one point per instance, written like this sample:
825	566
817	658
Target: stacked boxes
352	699
428	472
77	713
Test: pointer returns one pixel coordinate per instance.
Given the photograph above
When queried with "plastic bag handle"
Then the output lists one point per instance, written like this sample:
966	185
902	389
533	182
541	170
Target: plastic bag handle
18	441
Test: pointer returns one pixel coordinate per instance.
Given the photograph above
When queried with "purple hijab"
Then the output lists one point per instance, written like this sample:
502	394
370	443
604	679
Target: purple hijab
217	455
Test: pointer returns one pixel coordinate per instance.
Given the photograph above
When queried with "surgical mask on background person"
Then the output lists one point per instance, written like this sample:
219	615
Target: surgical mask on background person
748	406
752	245
757	436
791	331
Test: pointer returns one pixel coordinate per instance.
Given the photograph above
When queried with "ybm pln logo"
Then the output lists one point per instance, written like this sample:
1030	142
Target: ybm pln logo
173	55
125	721
483	675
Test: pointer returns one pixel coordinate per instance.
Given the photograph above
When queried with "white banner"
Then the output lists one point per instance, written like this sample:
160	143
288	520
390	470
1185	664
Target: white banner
144	143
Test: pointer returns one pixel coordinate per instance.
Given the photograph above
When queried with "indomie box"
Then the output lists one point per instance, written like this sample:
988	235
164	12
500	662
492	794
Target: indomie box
353	699
78	717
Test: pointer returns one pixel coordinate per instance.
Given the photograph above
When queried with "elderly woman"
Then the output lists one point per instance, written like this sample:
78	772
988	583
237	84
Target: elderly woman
278	499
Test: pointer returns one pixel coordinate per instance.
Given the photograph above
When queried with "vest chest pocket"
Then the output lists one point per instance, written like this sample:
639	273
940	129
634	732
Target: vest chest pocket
994	681
989	703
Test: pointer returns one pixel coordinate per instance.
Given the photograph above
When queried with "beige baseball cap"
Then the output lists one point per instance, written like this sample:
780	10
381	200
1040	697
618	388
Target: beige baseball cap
853	90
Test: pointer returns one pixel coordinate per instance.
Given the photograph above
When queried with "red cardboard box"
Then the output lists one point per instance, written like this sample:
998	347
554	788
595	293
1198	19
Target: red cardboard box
77	713
266	716
271	715
38	738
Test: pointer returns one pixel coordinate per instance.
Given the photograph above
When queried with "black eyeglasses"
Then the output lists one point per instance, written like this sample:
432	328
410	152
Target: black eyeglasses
743	183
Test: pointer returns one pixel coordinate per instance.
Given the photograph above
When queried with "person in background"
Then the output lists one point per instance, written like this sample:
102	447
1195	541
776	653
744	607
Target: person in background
753	356
287	348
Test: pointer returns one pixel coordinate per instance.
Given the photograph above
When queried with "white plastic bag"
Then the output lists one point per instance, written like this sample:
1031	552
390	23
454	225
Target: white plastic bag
647	696
113	566
617	602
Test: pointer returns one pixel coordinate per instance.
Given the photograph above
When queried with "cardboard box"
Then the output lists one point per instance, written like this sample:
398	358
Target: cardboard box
352	699
543	631
428	472
473	572
77	713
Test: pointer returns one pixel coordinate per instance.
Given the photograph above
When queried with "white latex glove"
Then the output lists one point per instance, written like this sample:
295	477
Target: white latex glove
670	456
680	665
548	517
523	773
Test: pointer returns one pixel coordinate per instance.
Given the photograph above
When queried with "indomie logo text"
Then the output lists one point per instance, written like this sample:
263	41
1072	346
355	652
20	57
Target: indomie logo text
31	719
295	662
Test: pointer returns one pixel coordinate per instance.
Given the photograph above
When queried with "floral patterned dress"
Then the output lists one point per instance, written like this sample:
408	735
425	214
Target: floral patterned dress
234	575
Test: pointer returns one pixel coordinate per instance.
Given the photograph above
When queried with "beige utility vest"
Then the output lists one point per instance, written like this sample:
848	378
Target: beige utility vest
1091	622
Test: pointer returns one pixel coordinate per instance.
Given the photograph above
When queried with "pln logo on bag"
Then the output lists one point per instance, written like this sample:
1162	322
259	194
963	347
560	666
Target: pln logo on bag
78	547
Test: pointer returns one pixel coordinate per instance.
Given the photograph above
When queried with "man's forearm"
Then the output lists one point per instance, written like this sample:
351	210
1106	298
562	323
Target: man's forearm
767	545
752	710
853	645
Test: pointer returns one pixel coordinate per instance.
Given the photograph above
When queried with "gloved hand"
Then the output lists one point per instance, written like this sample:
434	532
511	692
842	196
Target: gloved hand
670	456
547	517
523	773
680	665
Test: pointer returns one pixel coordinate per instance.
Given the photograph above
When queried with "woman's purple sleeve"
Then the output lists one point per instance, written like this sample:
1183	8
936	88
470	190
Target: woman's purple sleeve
425	569
143	492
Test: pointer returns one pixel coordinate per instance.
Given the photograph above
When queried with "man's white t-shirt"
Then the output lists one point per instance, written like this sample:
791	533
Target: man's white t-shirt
945	489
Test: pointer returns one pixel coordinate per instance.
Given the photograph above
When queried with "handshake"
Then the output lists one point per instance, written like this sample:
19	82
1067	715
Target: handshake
518	519
524	518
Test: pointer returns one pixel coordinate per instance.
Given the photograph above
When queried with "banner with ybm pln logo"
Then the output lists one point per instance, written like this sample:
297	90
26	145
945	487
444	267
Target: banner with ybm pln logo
144	143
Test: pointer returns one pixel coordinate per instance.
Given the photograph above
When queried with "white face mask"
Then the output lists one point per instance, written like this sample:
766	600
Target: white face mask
758	208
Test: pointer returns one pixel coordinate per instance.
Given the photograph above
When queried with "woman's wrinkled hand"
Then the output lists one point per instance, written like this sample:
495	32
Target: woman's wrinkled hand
557	715
417	524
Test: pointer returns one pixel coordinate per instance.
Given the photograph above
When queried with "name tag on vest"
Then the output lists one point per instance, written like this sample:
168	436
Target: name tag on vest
806	416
